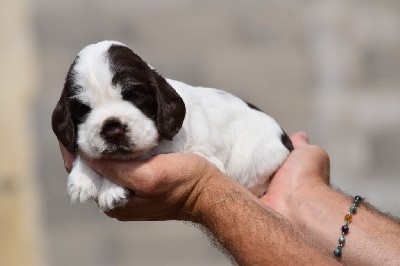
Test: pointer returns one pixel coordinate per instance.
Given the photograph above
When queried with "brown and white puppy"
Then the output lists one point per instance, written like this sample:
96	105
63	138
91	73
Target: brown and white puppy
114	105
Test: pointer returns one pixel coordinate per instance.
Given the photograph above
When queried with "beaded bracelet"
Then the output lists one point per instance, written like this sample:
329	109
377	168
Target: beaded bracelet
345	228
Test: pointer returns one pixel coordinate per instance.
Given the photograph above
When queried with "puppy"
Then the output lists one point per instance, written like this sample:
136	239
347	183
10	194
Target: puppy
114	105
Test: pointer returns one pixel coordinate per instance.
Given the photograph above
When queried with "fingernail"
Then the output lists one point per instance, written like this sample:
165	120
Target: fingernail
304	136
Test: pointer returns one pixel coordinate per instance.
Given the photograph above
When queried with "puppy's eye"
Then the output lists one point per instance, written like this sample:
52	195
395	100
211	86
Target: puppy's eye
130	95
79	110
142	97
133	93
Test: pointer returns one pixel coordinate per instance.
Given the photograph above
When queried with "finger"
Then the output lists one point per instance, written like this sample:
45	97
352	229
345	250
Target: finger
68	157
133	204
130	174
299	139
118	172
141	209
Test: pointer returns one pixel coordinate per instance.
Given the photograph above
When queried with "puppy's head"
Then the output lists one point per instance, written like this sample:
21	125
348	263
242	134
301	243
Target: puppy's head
114	105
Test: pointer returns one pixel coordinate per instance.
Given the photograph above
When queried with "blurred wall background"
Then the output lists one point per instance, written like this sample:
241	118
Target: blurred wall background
20	212
328	67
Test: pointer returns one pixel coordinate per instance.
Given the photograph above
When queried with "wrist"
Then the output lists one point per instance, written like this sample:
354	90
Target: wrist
214	191
318	212
306	204
198	200
238	220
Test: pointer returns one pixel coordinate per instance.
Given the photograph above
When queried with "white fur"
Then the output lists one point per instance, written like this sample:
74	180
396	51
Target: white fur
142	130
111	195
94	75
243	142
83	183
240	141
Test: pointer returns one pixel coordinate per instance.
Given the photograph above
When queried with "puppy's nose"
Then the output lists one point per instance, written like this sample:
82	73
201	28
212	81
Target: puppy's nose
113	131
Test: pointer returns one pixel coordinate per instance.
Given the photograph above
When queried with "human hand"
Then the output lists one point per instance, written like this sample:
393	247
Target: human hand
300	191
68	157
164	187
306	169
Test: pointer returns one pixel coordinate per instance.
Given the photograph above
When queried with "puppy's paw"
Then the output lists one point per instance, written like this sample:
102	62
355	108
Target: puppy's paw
112	195
83	183
82	190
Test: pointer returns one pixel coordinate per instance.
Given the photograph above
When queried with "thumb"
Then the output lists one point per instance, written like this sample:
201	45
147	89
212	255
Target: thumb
299	139
123	173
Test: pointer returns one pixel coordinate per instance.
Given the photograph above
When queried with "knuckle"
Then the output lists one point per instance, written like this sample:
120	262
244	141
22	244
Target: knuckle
322	157
320	153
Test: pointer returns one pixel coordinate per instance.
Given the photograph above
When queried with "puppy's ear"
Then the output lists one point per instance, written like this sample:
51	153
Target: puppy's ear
62	123
170	109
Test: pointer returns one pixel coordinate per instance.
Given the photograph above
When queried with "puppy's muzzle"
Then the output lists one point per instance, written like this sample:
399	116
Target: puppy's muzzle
113	131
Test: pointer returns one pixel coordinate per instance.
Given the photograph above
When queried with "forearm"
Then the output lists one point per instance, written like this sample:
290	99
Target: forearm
372	238
251	232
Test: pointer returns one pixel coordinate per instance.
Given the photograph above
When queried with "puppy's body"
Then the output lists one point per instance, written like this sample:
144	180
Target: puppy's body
241	141
116	106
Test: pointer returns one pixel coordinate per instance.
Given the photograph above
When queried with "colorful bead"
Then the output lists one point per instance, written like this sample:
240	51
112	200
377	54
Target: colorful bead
338	251
345	229
357	199
353	209
348	218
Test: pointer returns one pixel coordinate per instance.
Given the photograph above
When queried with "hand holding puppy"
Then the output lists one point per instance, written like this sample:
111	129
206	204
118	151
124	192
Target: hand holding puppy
114	106
187	187
180	186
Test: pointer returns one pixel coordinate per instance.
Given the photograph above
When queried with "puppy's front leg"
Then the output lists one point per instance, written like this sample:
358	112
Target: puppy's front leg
112	195
83	182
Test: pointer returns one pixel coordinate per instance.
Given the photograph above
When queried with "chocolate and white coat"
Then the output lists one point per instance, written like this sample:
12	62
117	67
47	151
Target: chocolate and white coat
114	105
